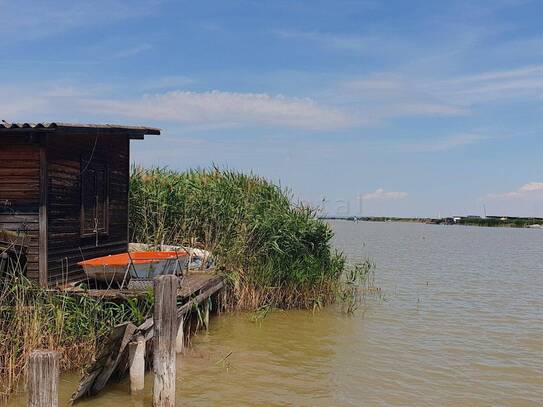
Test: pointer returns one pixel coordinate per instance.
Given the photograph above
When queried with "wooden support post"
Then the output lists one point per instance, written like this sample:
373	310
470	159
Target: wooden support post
43	373
136	351
165	327
206	313
43	253
180	339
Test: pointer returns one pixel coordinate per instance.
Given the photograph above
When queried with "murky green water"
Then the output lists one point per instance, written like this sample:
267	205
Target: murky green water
461	325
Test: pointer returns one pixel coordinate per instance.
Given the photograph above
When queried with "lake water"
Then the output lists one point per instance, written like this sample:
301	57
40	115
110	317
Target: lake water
460	324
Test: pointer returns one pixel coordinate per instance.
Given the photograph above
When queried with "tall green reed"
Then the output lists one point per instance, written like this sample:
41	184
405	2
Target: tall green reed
273	250
357	280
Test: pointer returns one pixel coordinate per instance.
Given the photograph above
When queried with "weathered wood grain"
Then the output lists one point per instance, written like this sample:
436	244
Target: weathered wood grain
19	194
42	381
67	244
43	224
106	363
165	331
136	362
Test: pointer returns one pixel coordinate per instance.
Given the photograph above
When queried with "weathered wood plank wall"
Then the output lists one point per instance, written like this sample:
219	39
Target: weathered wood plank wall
66	245
20	193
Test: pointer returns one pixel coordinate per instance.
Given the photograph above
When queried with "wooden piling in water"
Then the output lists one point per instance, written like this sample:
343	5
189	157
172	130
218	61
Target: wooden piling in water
43	376
180	339
165	332
136	352
206	313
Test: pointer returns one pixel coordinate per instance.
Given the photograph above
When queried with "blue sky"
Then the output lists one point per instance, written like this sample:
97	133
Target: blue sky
407	108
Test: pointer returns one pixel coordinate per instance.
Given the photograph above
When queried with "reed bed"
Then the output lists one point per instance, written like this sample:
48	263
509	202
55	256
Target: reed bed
273	251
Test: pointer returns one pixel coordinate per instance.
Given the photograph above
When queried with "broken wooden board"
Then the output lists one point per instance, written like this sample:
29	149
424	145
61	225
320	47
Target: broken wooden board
106	363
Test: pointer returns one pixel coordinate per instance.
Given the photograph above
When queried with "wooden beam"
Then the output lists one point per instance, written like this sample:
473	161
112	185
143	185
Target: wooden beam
127	196
193	283
146	328
198	299
43	255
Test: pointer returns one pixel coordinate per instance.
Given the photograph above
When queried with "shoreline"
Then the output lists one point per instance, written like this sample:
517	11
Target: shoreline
502	222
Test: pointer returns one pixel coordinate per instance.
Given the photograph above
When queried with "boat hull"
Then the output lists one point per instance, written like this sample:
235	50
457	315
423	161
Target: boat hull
120	268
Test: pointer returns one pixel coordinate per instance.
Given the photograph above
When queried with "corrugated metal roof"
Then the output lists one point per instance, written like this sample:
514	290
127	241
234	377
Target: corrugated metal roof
111	128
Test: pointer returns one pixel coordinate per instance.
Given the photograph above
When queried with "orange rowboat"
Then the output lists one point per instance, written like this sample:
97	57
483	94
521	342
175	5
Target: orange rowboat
143	265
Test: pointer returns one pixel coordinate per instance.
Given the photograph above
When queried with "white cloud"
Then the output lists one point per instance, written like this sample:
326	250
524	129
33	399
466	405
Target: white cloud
441	143
329	40
31	20
197	111
167	82
22	104
524	82
133	51
225	109
531	189
367	101
388	95
499	75
385	96
381	194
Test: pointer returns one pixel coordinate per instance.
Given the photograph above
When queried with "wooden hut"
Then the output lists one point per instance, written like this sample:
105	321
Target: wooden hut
64	193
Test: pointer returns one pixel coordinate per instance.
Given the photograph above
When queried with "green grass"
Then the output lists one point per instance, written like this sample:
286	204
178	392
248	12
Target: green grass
273	249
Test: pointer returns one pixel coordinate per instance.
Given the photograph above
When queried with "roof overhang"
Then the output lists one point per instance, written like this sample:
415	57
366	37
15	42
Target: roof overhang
133	132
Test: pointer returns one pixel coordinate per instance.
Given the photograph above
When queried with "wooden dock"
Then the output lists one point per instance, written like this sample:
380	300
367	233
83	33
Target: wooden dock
192	284
114	361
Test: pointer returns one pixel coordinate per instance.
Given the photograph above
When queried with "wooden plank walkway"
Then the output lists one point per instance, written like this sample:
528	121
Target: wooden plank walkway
192	284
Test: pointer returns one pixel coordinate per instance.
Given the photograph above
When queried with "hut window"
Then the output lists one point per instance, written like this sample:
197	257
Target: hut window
94	197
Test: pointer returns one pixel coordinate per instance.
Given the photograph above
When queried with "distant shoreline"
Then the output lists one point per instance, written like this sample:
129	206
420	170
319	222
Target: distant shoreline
490	221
